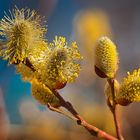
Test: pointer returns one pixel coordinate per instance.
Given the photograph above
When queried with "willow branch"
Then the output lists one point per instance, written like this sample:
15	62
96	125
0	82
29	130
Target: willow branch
94	131
114	110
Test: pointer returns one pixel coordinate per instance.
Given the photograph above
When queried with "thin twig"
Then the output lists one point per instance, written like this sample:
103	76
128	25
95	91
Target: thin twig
67	105
114	110
27	63
119	136
91	129
61	112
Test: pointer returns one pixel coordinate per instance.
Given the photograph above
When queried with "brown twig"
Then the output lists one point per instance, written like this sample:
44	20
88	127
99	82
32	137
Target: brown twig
91	129
27	63
117	125
113	109
61	112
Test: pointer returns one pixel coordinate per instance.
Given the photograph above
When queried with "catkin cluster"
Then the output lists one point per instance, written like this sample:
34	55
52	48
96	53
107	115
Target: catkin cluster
46	65
106	65
49	66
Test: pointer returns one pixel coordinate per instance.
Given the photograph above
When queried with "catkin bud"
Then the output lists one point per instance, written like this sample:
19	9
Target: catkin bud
108	92
129	89
43	94
106	58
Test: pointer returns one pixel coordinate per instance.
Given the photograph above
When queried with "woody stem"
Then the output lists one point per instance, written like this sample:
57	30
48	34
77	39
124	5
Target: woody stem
113	109
94	131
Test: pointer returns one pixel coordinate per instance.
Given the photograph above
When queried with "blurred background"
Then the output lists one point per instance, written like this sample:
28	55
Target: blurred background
22	118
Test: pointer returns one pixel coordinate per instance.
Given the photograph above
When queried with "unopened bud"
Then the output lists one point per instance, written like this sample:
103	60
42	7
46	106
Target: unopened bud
106	58
108	92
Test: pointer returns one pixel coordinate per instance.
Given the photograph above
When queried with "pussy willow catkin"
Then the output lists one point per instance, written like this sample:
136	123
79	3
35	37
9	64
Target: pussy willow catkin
21	29
106	57
43	94
130	88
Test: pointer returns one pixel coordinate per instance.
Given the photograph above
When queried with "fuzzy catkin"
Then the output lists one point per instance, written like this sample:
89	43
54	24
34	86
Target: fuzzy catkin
43	94
21	29
106	57
130	88
62	64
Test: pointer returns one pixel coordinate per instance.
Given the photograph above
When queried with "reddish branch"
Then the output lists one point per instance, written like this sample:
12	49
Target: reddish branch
113	109
80	121
117	125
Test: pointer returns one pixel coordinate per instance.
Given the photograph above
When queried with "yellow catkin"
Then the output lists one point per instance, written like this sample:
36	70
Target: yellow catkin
130	88
21	29
37	57
26	73
106	57
43	94
55	64
62	64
